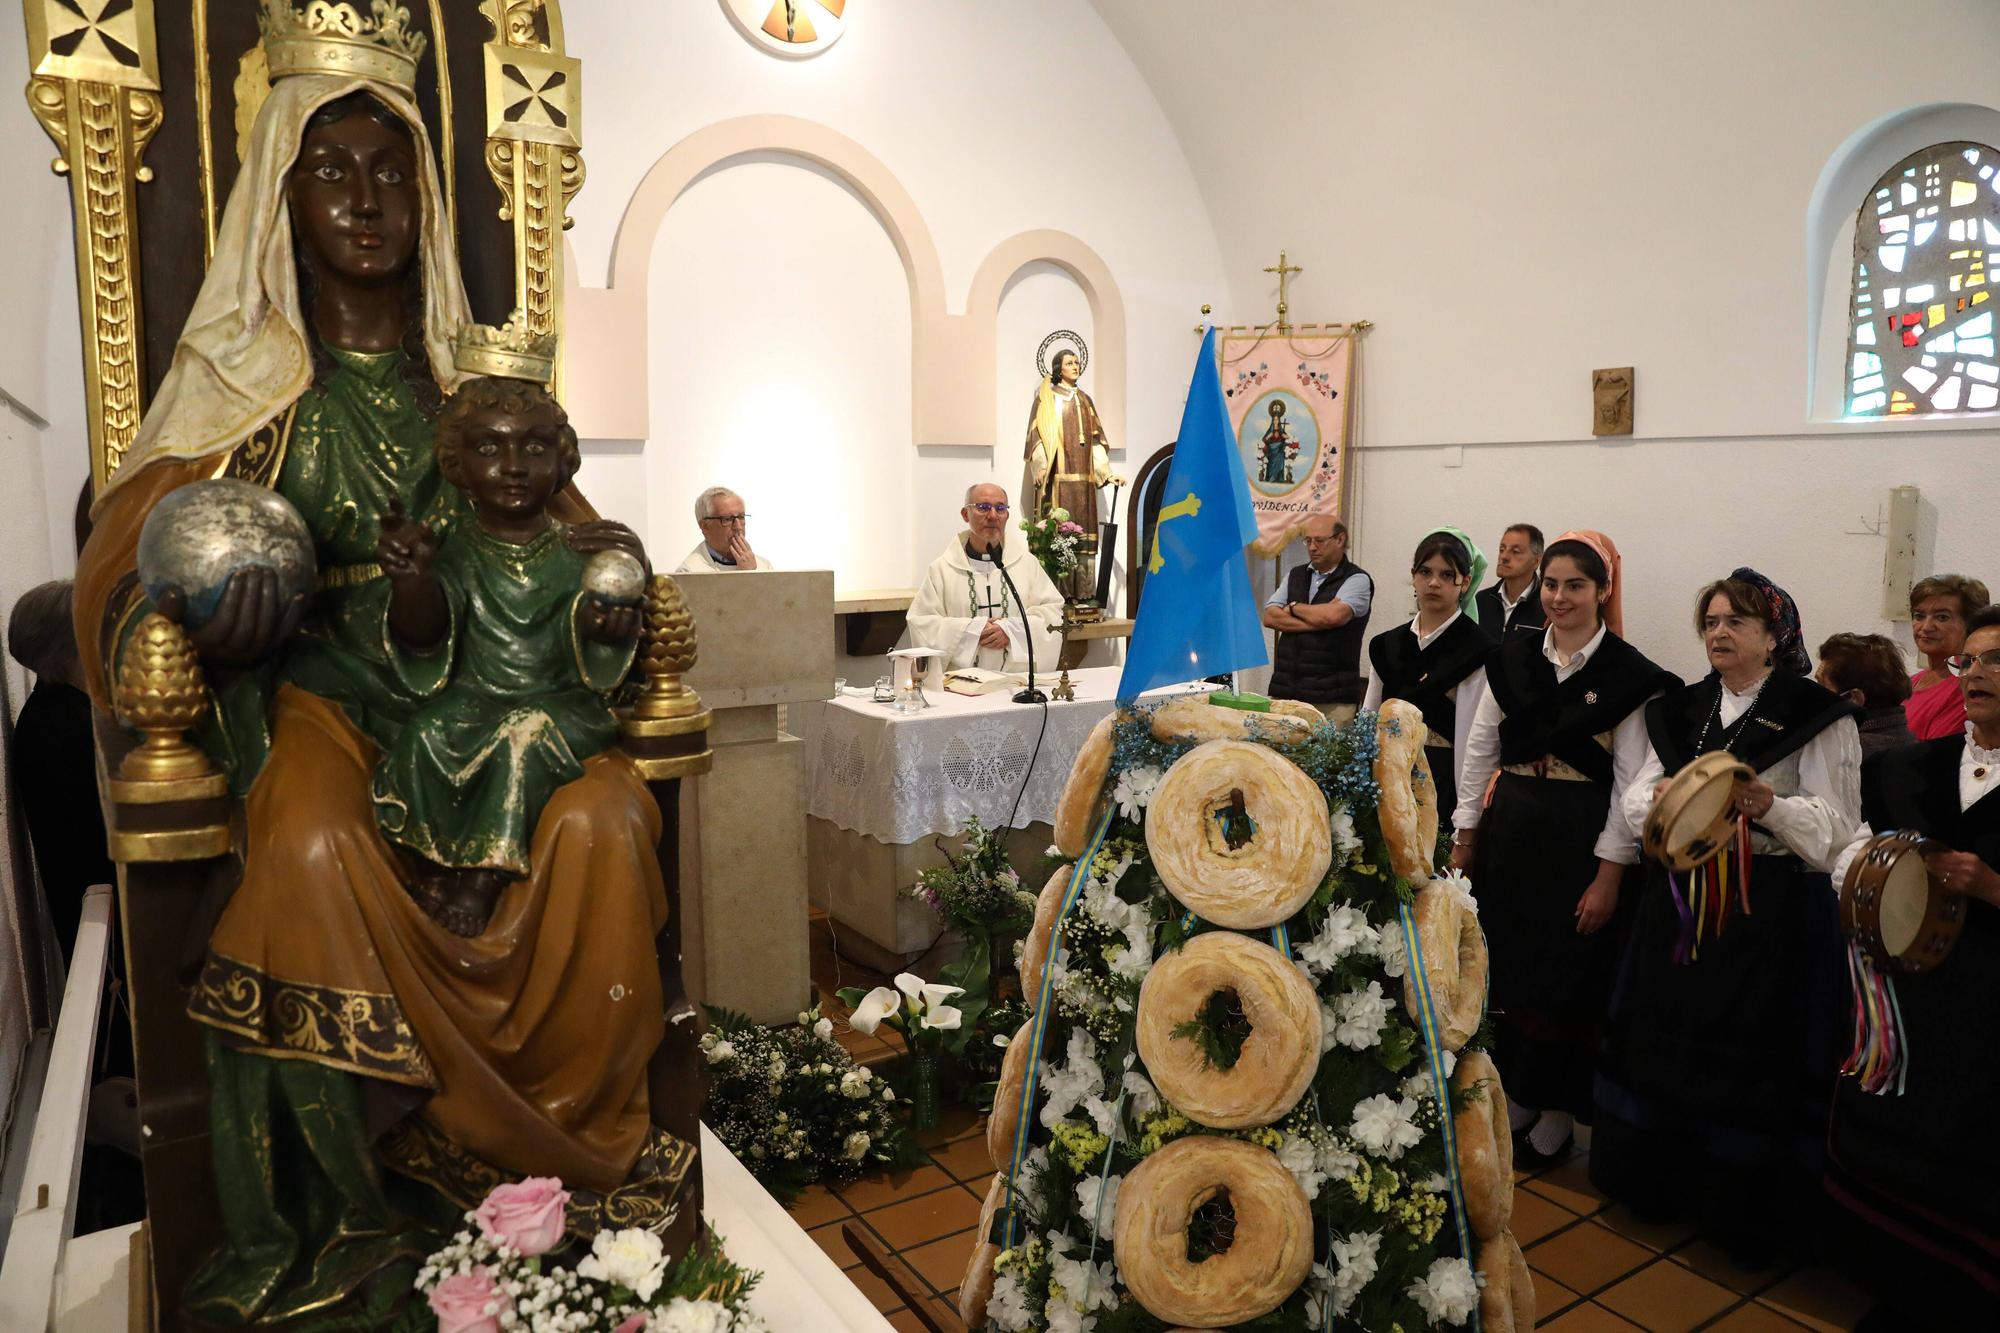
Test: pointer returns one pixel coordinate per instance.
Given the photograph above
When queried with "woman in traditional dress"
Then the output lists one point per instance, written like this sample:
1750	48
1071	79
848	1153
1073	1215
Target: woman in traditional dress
1914	1169
1939	607
346	1030
1438	660
1561	725
1712	1099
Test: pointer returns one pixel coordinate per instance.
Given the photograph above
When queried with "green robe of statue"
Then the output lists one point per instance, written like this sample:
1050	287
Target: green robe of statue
516	704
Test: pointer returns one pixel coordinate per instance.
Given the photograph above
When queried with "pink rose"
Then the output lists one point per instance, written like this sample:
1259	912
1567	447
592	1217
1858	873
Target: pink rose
460	1303
633	1325
526	1217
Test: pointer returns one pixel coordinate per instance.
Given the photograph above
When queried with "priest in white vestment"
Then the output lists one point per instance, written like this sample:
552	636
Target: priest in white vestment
725	535
964	608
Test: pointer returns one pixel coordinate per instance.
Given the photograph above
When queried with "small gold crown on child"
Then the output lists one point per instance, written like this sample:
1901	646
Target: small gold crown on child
509	352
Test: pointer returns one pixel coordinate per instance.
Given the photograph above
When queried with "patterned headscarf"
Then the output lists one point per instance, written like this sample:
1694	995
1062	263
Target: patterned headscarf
1475	559
1790	654
1607	551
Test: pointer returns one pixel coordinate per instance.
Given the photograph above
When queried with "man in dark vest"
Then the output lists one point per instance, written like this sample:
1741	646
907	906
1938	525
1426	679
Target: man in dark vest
1320	610
1514	599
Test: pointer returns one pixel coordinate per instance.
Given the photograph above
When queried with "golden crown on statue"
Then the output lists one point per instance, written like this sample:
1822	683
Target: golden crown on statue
327	38
510	351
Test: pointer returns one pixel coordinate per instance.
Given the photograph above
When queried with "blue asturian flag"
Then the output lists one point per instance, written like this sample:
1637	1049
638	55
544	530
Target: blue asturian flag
1197	614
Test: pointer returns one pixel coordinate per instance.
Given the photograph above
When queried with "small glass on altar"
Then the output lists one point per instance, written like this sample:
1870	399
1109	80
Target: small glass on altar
910	668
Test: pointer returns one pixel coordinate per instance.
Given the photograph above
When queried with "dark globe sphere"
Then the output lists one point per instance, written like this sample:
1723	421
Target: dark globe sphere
199	535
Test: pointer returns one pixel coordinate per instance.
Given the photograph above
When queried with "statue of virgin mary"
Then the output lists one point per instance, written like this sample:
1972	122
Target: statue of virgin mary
370	1072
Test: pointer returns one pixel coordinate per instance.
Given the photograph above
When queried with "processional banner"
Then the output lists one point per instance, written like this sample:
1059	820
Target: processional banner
1289	396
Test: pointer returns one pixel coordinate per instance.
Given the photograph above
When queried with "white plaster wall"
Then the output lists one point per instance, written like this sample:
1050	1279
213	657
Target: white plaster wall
777	297
1518	192
42	444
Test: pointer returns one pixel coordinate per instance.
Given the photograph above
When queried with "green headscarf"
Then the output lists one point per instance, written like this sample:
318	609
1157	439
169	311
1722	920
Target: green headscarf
1468	602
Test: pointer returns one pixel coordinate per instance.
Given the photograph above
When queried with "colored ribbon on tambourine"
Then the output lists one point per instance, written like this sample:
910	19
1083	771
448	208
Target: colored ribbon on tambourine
1704	908
1880	1057
1441	1090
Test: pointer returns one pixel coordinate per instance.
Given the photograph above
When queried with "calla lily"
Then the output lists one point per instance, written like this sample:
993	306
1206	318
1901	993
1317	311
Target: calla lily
936	994
943	1017
910	984
875	1006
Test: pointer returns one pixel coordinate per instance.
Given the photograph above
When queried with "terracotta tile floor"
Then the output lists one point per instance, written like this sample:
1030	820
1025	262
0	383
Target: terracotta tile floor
1597	1269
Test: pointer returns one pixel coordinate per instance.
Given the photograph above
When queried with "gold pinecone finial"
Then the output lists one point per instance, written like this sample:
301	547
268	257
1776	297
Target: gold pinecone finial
161	695
666	653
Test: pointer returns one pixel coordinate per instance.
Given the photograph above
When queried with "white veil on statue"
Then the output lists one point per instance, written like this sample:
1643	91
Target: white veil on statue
244	355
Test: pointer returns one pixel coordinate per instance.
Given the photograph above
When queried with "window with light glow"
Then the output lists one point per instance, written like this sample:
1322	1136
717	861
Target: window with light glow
1920	334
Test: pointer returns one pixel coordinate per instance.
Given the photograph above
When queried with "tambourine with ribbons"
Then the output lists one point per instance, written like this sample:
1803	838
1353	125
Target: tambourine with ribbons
1693	829
1897	918
1903	918
1695	817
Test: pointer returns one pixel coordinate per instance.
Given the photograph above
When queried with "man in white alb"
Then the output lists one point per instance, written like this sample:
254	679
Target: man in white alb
964	609
725	535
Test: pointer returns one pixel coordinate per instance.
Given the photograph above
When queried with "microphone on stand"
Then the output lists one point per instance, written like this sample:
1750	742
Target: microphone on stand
1031	695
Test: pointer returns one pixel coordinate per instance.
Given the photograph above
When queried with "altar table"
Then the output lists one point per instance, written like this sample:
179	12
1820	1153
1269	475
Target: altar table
884	787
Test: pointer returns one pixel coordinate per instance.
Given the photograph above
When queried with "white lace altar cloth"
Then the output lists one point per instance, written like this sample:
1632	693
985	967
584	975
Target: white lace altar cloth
900	778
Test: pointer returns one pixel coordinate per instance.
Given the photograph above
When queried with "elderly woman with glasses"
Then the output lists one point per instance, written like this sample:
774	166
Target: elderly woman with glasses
1721	1041
1940	607
1914	1167
725	541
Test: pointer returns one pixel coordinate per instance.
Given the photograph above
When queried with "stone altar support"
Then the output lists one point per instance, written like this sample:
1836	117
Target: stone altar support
743	833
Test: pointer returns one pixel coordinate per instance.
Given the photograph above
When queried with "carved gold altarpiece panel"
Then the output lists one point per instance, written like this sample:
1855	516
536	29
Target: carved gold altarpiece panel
151	160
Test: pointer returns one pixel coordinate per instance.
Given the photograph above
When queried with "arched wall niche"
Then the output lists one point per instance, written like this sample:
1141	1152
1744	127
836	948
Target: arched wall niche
952	355
1844	183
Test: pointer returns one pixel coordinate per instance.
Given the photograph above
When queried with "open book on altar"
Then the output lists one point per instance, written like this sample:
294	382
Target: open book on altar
978	680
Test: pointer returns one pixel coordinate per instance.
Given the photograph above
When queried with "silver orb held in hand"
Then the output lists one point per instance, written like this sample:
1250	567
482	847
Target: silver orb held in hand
201	534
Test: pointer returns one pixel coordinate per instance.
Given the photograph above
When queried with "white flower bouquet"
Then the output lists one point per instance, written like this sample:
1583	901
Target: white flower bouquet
792	1104
498	1273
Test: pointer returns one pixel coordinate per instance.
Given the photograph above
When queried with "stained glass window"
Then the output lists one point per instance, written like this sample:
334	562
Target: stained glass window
1920	335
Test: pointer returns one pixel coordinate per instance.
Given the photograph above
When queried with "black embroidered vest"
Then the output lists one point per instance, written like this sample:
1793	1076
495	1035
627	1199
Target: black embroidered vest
1544	717
1426	676
1789	711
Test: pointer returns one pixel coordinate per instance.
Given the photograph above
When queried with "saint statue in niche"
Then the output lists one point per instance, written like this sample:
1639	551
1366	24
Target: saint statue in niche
1067	454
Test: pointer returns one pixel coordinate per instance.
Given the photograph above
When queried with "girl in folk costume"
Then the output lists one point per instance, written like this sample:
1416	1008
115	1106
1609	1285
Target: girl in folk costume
1913	1164
346	1031
1561	726
1713	1095
1438	660
1067	461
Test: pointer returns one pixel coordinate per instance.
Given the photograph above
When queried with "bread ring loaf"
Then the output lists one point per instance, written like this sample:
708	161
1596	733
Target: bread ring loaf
1408	807
1004	1120
1083	793
1280	1055
1299	709
1270	1255
1035	947
1507	1301
1192	717
977	1288
1232	792
1485	1146
1454	957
